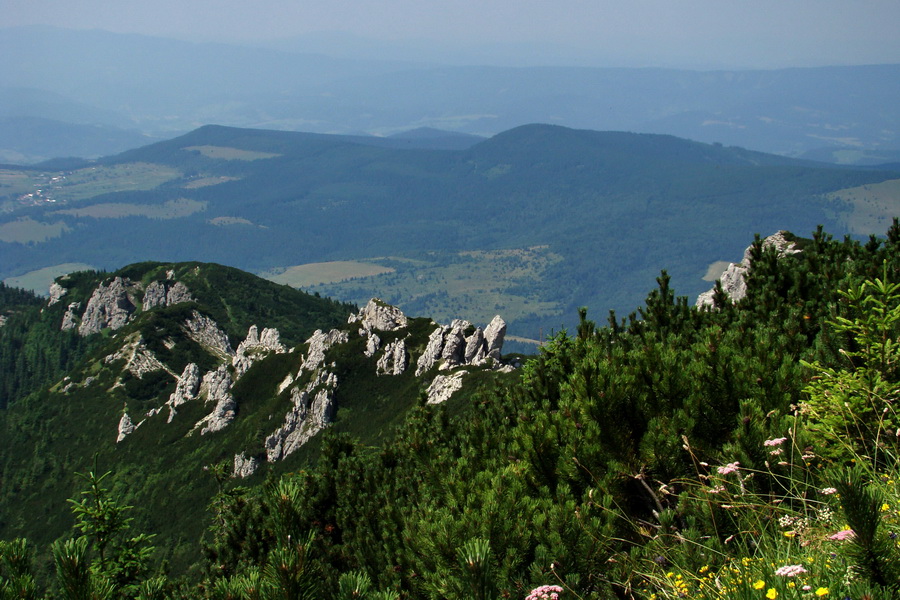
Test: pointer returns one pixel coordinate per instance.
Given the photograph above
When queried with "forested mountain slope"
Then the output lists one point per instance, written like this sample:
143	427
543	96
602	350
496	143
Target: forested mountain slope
532	223
164	371
676	451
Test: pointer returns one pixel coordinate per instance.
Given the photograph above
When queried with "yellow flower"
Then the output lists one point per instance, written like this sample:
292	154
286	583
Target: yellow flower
704	568
759	585
822	591
771	594
885	507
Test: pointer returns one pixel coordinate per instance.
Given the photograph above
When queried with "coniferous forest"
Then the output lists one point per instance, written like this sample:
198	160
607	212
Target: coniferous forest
747	450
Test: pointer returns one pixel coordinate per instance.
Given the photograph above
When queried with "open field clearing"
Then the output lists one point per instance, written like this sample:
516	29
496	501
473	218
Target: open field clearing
305	276
874	205
226	153
39	281
173	209
27	230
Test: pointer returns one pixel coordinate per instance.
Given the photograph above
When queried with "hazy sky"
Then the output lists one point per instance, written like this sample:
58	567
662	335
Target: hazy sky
700	33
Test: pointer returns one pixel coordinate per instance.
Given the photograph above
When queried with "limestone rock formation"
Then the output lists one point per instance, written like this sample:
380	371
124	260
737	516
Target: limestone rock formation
56	293
187	389
494	336
372	344
394	359
207	333
126	427
110	307
255	347
444	386
243	466
378	316
216	387
139	360
733	280
70	319
165	293
312	411
319	343
432	352
449	347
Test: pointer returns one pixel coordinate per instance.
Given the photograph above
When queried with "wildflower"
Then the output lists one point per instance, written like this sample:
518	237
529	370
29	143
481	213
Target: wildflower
822	591
771	594
760	584
790	570
885	507
729	468
545	592
828	491
843	534
775	442
715	489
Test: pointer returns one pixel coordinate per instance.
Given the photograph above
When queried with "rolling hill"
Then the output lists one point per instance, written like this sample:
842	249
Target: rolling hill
532	222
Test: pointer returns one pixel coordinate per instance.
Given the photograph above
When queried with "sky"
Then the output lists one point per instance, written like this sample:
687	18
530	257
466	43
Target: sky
683	33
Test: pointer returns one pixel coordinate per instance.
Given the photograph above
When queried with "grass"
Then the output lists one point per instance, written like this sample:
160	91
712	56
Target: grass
226	153
312	274
874	205
25	230
173	209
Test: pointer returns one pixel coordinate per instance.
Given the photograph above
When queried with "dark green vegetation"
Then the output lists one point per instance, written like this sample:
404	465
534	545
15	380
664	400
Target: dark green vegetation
615	208
64	395
595	470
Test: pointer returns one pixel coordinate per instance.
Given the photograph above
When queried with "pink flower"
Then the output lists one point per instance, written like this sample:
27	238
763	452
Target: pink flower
828	491
843	534
545	592
790	570
775	441
729	468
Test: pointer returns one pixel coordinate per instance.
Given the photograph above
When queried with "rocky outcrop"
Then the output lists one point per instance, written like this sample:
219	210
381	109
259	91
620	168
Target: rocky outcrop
319	344
216	387
70	319
733	279
494	336
444	386
187	389
256	346
56	293
126	427
165	293
450	347
372	344
432	353
243	466
139	360
206	332
394	359
312	411
109	307
378	316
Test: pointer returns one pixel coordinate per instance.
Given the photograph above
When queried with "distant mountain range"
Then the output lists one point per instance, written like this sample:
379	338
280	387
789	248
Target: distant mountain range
163	87
531	223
